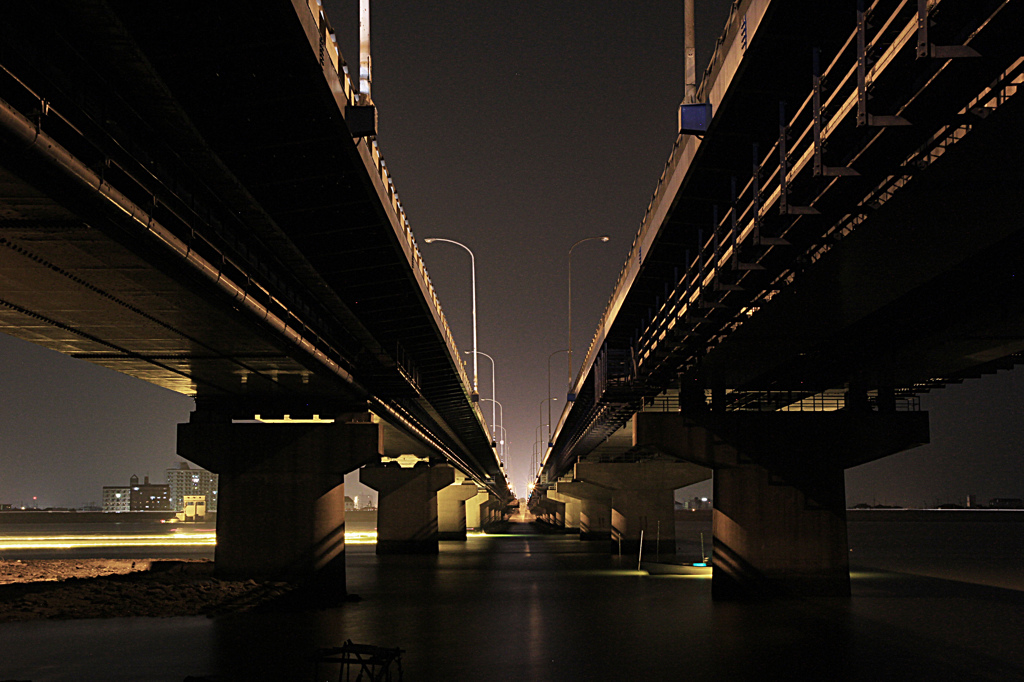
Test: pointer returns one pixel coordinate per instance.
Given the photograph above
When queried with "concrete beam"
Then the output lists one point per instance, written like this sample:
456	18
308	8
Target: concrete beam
407	505
281	506
781	439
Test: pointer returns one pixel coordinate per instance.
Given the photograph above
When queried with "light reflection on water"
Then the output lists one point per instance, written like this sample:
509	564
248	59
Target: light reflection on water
544	607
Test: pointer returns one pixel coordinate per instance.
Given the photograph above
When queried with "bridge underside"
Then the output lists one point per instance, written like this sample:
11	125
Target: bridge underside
841	238
181	200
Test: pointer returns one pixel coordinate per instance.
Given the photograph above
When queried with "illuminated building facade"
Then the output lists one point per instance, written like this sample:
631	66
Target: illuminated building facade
117	498
148	496
188	481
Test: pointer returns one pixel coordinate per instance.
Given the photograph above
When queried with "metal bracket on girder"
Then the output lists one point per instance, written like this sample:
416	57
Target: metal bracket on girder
863	117
719	284
926	49
785	208
734	235
820	169
756	205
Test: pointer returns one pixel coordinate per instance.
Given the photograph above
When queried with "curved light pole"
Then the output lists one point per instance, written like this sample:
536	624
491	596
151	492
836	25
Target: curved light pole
493	401
501	413
540	418
549	390
537	442
472	262
603	238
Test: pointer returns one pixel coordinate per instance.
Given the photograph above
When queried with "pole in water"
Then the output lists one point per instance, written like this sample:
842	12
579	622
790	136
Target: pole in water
657	542
703	556
640	554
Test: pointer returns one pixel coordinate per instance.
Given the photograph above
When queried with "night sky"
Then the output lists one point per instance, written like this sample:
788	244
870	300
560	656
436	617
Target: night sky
516	128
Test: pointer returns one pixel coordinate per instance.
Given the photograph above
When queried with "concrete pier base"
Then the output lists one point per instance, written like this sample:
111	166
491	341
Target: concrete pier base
451	510
407	505
281	497
771	538
779	521
595	508
642	500
476	512
572	510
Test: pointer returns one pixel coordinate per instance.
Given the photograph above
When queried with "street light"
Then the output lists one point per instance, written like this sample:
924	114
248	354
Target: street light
537	442
603	238
495	402
472	262
540	417
501	413
549	389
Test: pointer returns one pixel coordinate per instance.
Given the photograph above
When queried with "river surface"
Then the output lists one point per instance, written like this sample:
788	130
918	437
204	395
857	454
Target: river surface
928	604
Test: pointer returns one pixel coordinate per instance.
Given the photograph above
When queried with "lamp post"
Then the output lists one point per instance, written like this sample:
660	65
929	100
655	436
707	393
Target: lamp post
501	413
603	238
493	401
549	389
536	446
472	262
540	418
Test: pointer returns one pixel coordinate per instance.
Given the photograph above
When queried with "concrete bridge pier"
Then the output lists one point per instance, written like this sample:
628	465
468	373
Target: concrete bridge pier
477	510
774	538
642	499
572	510
451	510
407	511
281	497
779	521
595	508
552	512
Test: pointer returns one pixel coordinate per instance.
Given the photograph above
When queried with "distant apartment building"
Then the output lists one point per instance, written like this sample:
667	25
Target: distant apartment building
185	480
148	496
136	496
117	498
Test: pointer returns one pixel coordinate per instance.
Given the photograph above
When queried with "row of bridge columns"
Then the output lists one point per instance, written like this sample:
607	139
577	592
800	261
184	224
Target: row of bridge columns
281	498
779	519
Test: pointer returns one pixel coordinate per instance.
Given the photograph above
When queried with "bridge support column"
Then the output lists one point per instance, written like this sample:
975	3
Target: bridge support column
595	508
643	499
476	510
451	510
572	510
770	537
779	521
281	497
407	506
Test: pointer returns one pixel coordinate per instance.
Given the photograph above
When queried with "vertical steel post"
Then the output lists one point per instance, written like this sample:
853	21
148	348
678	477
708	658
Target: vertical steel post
816	106
862	66
783	162
690	60
365	71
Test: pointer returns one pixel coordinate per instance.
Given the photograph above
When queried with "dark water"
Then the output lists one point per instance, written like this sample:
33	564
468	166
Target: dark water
548	607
